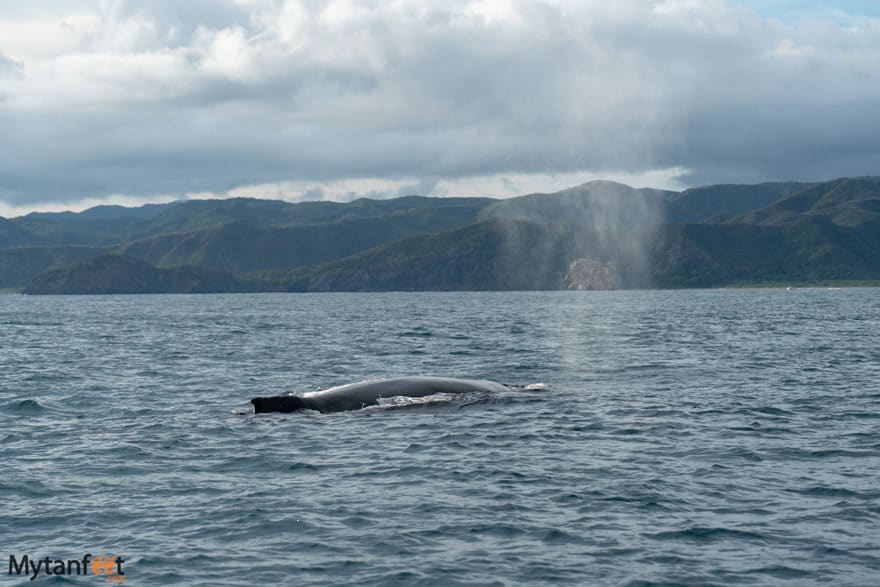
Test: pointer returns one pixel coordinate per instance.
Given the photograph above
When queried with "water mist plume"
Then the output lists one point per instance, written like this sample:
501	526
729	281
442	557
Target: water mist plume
600	231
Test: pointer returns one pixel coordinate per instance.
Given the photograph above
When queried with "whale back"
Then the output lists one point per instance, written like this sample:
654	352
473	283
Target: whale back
281	403
354	396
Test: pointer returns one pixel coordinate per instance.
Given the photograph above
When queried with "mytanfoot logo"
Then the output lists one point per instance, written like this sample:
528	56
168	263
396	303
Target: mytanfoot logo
109	567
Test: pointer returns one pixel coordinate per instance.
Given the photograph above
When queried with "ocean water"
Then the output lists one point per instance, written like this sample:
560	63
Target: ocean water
682	438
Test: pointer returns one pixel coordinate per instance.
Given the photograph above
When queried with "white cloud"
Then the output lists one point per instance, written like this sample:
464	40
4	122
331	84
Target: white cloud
165	98
31	41
496	186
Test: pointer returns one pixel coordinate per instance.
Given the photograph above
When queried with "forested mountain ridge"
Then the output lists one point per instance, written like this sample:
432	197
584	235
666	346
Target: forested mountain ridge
703	237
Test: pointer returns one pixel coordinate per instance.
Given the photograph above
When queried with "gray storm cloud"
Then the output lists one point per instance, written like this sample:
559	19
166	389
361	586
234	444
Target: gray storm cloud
163	97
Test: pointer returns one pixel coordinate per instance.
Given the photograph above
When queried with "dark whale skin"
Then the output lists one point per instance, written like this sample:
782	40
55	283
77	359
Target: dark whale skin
354	396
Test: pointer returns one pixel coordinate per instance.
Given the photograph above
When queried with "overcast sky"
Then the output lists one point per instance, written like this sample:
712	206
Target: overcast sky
135	101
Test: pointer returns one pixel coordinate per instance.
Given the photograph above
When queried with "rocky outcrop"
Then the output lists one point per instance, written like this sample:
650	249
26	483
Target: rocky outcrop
587	274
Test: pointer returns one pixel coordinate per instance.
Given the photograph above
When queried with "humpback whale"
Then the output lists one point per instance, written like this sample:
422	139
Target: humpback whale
354	396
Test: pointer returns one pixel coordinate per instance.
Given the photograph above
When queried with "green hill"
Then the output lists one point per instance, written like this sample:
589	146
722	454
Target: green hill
704	203
704	237
809	250
602	204
476	257
846	202
497	254
237	235
238	246
11	234
108	225
116	274
20	264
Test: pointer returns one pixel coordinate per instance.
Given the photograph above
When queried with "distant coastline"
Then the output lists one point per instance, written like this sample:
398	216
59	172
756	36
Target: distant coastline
743	286
600	235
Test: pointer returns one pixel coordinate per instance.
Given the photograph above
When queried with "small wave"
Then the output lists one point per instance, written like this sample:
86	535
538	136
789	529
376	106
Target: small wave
863	415
61	580
557	536
780	572
299	466
416	332
746	454
824	491
43	376
839	452
495	530
30	488
706	534
627	431
536	387
358	522
772	411
24	407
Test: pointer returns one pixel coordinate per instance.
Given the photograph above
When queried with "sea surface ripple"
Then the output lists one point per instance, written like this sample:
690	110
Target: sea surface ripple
684	437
